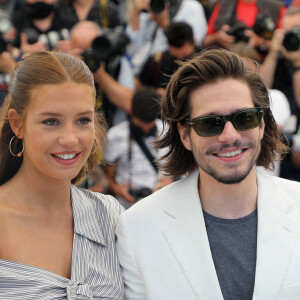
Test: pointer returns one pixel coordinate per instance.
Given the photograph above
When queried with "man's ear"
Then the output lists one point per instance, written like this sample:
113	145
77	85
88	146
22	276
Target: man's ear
184	136
16	123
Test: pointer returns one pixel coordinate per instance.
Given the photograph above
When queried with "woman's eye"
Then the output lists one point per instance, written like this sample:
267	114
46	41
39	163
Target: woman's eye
50	122
84	121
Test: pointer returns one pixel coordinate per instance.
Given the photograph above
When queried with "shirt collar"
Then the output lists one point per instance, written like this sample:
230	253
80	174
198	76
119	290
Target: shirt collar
86	221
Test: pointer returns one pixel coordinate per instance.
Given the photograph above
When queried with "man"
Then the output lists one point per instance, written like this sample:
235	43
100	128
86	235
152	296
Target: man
147	24
115	79
131	171
223	231
158	68
40	25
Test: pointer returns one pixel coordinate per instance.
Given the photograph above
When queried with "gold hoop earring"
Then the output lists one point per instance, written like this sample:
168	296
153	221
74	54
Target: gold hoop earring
20	153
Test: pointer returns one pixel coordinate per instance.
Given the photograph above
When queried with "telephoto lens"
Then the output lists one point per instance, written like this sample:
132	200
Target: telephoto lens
291	40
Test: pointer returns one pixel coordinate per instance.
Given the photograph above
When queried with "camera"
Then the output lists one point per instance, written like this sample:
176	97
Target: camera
157	6
49	39
291	40
264	26
237	30
141	193
111	43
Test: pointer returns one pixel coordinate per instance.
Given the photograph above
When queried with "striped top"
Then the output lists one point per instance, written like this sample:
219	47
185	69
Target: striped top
95	270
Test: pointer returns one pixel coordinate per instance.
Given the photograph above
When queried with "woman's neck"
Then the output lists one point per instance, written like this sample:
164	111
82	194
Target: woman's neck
38	191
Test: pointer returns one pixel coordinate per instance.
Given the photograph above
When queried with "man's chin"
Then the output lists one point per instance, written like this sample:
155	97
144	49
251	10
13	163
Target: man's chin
231	178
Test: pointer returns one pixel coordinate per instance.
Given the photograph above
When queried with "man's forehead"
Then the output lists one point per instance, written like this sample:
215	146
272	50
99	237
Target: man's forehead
221	97
290	21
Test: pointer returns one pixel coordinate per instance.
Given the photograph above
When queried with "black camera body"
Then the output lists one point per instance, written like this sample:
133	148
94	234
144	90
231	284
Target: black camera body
264	26
291	40
111	43
49	39
237	30
141	193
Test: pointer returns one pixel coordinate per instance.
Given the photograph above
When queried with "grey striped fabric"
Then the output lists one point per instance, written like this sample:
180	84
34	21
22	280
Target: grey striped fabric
95	272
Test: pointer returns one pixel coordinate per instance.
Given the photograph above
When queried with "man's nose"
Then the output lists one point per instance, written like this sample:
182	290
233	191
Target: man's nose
229	134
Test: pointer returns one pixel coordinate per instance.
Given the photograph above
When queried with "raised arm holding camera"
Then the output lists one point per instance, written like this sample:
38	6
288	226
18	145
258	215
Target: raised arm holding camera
150	18
103	51
251	21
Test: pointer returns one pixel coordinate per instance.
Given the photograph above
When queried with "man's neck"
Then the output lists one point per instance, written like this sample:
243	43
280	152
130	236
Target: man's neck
228	201
44	24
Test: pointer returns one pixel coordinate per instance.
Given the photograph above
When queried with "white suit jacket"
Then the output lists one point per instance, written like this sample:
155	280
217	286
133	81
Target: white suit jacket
164	250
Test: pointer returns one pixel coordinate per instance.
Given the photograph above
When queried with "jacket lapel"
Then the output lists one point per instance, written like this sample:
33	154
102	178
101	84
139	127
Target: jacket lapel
187	238
278	229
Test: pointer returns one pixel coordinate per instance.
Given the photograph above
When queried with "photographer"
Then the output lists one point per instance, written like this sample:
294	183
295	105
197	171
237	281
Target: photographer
40	25
281	65
252	21
149	19
158	68
281	70
130	154
113	74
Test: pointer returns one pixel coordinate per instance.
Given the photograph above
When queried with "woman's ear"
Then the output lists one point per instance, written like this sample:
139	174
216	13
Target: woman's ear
15	122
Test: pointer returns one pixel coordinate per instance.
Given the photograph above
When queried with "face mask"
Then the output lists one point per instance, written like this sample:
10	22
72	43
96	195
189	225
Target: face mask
39	10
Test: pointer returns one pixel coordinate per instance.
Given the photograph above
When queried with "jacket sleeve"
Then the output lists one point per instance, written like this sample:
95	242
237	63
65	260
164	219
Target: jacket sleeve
133	281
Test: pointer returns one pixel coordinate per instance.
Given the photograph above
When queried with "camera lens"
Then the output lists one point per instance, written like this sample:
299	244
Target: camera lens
103	45
291	41
91	59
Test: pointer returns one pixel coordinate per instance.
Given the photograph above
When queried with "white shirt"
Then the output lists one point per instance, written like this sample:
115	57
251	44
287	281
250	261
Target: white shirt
138	170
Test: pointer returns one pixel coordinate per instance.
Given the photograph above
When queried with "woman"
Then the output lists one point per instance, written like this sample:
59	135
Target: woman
56	240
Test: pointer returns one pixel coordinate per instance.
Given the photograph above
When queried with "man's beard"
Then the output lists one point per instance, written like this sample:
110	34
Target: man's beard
233	178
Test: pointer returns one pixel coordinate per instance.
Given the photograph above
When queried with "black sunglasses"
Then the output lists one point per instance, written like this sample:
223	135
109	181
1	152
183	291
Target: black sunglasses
213	125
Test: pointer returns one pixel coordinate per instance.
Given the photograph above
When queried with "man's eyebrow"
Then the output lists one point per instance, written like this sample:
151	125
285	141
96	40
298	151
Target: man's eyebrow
218	114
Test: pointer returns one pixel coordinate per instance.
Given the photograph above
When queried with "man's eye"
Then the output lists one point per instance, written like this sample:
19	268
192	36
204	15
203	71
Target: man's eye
84	121
50	122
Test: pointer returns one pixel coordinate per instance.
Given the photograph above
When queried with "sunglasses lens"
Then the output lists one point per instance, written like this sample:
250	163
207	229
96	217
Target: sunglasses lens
209	126
246	120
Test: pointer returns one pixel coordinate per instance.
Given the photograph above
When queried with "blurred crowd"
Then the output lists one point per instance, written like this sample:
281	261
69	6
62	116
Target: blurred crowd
133	46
